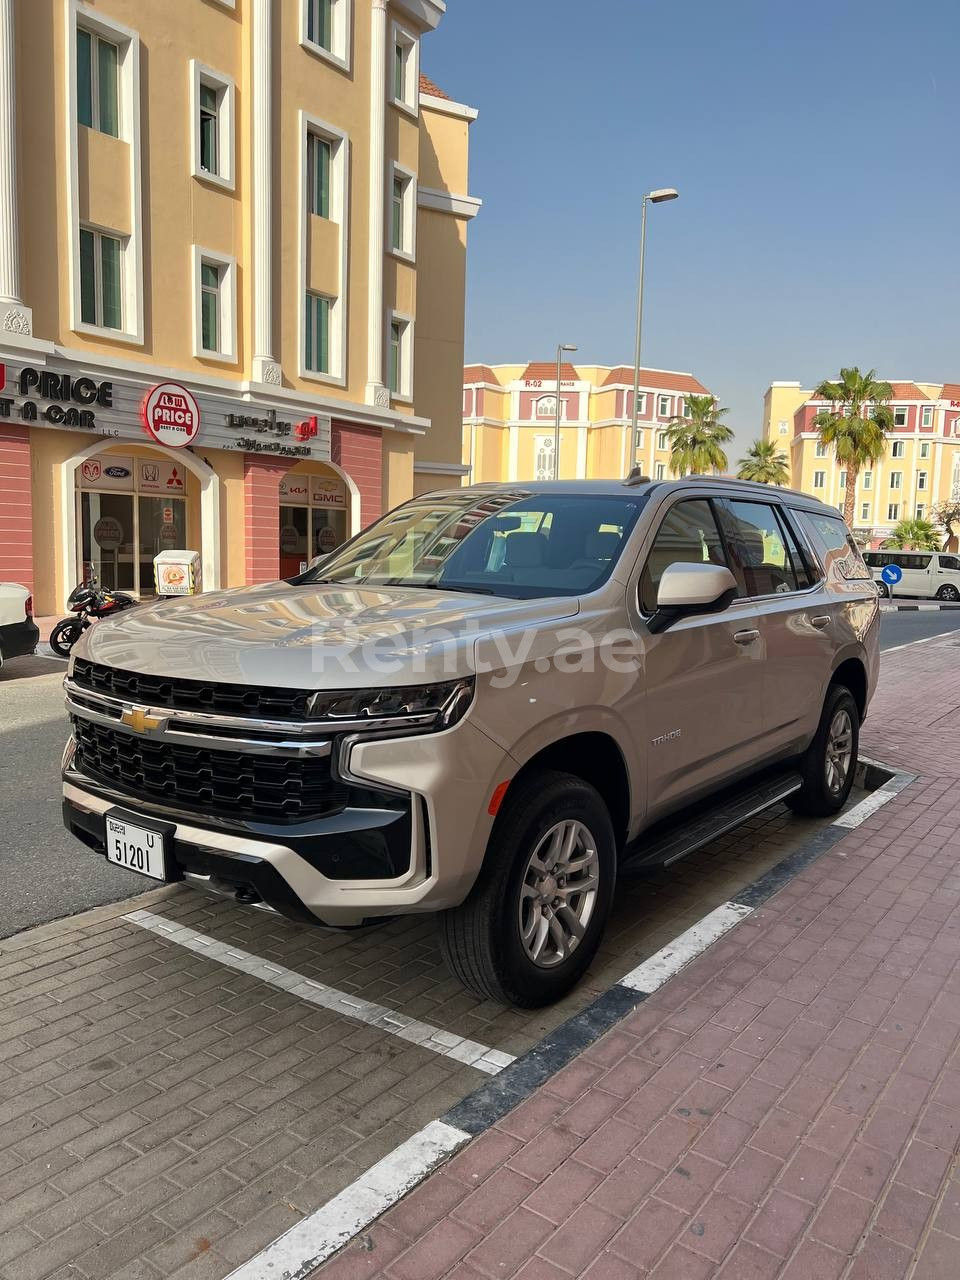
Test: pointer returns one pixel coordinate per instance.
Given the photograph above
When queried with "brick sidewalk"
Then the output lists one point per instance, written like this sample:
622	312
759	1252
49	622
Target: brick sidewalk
787	1108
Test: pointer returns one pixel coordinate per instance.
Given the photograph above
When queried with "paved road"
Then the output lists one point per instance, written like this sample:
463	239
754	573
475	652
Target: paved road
46	874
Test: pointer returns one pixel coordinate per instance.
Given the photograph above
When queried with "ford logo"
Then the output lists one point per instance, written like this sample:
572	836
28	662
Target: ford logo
118	473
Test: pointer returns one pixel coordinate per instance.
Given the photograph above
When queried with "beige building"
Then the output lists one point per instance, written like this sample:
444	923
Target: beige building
509	420
920	469
232	266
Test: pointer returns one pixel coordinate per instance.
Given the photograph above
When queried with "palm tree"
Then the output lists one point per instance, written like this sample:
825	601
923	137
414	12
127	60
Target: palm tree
857	427
914	535
764	463
697	438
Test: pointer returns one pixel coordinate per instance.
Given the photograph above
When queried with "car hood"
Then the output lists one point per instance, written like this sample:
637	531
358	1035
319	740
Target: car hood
312	636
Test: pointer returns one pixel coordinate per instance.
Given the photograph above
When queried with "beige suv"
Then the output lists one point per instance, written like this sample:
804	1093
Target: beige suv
485	705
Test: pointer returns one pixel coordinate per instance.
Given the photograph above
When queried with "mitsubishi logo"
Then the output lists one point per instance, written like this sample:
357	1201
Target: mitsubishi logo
140	721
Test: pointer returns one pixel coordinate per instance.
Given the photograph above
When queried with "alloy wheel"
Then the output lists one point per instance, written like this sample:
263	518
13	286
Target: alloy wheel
558	893
839	753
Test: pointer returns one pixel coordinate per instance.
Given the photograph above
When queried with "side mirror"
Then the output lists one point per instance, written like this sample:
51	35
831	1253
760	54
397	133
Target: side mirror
689	589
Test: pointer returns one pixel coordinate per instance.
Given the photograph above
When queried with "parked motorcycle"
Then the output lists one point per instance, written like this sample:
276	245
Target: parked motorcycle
87	602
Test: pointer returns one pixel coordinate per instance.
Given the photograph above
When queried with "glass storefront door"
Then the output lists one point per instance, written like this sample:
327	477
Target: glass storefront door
313	519
108	538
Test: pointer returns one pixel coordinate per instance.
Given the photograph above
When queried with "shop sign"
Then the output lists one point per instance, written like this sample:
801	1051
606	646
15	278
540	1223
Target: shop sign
326	540
108	533
277	433
161	477
295	489
328	491
110	473
64	390
167	537
289	539
171	415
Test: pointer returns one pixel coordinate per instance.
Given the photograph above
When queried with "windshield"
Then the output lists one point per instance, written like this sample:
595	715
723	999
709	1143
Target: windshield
508	543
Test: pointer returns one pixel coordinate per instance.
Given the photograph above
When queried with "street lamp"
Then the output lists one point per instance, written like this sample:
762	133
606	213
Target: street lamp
563	346
654	197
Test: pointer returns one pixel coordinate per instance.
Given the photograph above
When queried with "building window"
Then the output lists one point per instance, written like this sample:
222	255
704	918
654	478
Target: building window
925	449
406	69
685	409
819	479
782	428
212	97
921	511
900	416
209	306
896	449
927	416
896	479
400	358
659	471
663	407
921	479
865	511
662	442
843	479
403	213
317	331
319	156
325	29
98	101
215	321
638	440
101	283
893	511
641	404
868	480
821	449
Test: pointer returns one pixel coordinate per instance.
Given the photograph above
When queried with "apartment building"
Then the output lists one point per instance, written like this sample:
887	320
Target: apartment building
921	466
232	270
509	420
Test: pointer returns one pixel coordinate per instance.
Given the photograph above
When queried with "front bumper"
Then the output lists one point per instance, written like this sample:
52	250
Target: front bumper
19	639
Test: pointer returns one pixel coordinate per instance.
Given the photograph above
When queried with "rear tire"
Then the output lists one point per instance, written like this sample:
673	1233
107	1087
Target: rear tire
64	636
830	762
883	590
949	593
523	899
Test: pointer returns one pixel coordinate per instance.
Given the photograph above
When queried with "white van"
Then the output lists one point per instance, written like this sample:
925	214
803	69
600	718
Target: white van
932	574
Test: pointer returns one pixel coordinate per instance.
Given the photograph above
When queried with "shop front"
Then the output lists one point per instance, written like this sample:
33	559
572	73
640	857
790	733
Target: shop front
99	474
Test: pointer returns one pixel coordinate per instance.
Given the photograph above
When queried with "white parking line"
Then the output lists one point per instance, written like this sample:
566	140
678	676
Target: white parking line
445	1043
316	1238
655	971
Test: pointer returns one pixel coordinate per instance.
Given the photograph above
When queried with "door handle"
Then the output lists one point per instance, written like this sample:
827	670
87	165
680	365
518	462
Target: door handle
746	637
822	621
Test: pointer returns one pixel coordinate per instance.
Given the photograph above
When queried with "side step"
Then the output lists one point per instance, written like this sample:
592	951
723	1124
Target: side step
675	837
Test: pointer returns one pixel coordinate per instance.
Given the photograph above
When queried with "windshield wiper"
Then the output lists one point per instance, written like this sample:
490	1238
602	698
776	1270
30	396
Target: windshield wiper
438	586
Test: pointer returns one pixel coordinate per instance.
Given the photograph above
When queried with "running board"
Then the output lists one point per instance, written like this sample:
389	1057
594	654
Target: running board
673	839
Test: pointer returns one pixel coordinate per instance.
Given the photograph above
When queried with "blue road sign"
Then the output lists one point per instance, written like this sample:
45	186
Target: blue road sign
892	574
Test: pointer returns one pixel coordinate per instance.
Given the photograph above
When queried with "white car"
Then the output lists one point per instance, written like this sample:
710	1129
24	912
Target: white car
18	631
933	575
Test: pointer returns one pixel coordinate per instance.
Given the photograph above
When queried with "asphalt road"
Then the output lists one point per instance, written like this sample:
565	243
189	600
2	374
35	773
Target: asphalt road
45	873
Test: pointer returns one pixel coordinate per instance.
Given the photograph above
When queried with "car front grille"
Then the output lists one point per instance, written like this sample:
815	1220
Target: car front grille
176	694
225	784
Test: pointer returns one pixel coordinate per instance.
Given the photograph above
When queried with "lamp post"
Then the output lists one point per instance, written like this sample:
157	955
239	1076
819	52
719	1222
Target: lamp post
561	348
654	197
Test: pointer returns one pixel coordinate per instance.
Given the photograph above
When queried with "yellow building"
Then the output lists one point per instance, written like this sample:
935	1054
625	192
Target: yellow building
509	420
921	467
232	265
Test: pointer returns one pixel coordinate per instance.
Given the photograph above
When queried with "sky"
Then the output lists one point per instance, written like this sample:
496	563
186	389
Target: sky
814	144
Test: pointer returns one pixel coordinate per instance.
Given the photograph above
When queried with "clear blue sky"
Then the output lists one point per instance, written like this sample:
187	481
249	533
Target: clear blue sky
814	144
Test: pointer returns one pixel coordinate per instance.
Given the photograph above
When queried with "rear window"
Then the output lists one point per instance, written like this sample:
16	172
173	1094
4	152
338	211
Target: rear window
949	562
841	553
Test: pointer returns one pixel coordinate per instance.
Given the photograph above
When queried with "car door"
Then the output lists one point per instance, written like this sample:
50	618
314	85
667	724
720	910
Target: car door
797	618
703	676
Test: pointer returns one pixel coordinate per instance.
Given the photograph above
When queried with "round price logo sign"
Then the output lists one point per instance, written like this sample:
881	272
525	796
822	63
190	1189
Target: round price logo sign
171	415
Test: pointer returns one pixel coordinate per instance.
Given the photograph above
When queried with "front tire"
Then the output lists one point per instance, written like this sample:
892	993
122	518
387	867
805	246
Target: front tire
830	762
949	593
533	921
64	636
883	591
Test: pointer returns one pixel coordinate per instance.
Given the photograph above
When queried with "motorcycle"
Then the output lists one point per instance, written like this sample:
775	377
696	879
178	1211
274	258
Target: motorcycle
88	601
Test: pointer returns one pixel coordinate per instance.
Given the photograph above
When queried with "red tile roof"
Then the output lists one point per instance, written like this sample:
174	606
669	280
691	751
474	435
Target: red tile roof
547	372
907	391
950	391
427	86
478	373
658	379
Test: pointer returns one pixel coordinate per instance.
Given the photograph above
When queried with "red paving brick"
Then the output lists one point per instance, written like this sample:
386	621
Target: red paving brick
788	1108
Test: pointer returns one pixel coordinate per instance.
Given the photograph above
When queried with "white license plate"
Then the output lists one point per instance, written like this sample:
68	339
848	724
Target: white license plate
135	848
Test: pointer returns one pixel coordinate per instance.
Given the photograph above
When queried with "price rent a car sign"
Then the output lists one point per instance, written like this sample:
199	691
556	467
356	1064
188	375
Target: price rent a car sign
171	415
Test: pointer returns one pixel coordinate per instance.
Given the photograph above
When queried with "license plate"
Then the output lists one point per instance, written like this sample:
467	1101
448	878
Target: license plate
136	848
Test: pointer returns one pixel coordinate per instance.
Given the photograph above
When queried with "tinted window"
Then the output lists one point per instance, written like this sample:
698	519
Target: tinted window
949	562
842	554
766	558
873	558
688	535
505	542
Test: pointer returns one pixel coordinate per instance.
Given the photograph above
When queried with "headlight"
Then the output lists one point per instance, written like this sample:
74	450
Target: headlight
422	706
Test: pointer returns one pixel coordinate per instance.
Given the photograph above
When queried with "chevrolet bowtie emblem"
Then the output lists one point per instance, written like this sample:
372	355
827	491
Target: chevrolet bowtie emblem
138	719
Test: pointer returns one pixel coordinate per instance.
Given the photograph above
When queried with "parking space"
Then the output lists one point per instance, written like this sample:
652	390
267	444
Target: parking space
181	1080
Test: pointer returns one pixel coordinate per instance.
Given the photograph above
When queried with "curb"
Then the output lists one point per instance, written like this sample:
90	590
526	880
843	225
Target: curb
917	608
